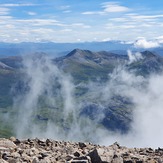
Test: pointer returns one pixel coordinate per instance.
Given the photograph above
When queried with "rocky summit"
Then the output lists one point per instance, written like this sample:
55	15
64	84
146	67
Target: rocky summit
49	151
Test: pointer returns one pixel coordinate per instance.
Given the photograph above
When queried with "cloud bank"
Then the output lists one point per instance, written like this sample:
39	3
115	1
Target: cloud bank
113	7
143	43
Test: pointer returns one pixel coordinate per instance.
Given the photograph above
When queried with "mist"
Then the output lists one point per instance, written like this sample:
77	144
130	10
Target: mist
49	92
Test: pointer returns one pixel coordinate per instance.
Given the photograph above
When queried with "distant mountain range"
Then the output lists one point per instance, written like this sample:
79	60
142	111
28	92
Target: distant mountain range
61	49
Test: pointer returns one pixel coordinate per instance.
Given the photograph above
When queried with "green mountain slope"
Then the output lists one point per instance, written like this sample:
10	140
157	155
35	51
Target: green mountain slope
87	68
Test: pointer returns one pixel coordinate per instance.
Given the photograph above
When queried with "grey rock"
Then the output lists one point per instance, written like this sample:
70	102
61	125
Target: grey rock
82	145
95	158
35	160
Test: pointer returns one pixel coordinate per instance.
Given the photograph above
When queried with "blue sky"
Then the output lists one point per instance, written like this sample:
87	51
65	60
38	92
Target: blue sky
80	20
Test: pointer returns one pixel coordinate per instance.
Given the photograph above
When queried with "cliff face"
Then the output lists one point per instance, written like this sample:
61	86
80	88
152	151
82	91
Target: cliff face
49	151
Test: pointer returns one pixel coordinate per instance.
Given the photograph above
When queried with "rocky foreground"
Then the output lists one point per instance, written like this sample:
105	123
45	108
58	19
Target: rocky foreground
49	151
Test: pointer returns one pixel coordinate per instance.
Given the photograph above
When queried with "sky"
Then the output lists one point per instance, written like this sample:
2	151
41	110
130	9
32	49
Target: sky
80	20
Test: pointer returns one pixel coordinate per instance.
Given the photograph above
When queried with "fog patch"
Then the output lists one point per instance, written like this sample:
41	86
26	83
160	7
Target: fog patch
146	95
134	57
47	105
146	44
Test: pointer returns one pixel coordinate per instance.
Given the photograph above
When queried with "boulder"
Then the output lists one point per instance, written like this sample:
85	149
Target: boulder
95	158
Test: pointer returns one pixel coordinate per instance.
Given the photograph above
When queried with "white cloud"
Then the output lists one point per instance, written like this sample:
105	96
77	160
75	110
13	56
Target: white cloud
34	30
88	13
144	18
116	28
127	26
81	25
31	13
38	22
4	11
67	11
17	4
159	39
64	7
134	57
122	19
107	39
5	17
93	13
143	43
139	20
114	7
66	30
108	7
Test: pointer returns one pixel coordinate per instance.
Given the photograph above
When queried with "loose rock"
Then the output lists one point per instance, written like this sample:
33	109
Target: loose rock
48	151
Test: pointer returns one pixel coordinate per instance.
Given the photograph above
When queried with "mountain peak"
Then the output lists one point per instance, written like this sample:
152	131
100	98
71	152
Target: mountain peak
73	52
78	52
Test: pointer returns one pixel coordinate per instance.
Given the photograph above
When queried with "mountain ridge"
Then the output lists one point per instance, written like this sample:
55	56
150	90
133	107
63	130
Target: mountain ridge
56	49
85	67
